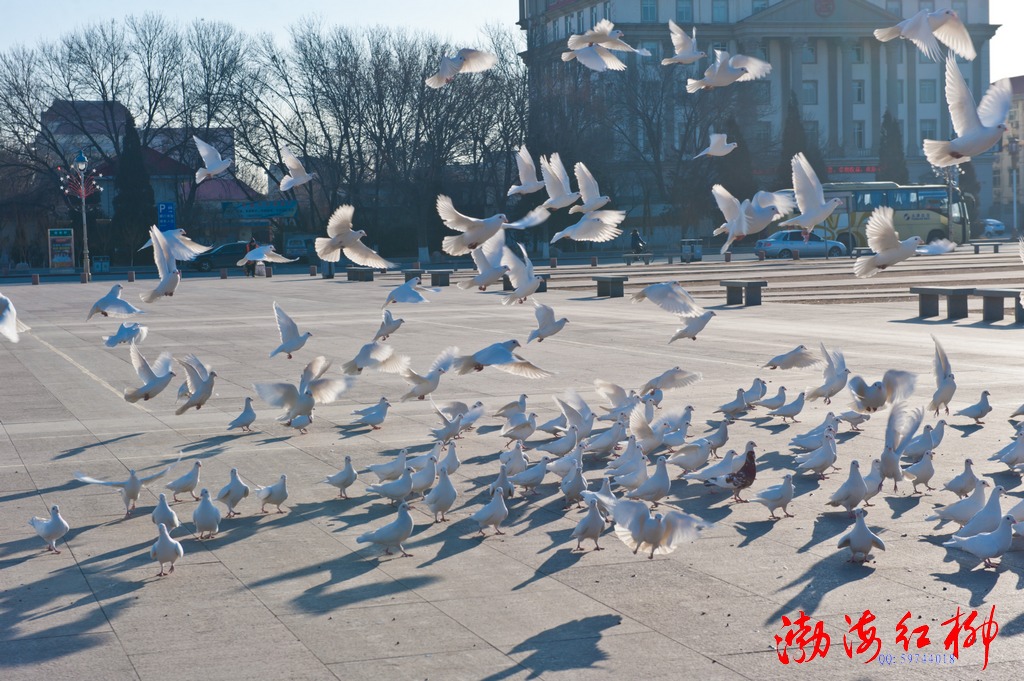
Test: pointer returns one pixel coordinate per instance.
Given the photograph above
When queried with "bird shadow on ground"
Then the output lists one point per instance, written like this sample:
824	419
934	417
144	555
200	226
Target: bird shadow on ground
84	448
549	652
348	430
270	440
25	494
1008	479
134	556
537	512
209	442
559	560
818	580
825	527
244	526
770	424
485	430
968	430
484	458
458	536
775	461
900	505
752	530
979	582
931	321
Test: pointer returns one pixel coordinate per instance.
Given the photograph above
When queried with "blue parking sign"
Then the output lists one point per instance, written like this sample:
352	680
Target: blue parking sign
166	214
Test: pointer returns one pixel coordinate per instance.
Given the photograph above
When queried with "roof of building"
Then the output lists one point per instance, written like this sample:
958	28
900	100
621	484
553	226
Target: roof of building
156	164
66	117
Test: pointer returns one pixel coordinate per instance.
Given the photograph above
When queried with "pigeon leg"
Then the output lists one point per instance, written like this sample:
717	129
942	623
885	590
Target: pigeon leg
990	563
279	509
787	513
596	547
773	516
404	554
498	531
193	493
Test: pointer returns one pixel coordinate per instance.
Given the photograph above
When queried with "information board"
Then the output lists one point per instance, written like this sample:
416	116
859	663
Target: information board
62	249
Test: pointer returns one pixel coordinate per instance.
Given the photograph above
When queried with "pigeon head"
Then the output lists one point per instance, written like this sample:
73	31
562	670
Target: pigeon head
284	477
205	494
702	54
616	34
55	509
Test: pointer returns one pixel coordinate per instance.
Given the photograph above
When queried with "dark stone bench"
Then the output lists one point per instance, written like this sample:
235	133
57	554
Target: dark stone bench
743	292
928	301
610	285
506	283
858	251
629	258
440	277
412	274
359	274
978	244
992	304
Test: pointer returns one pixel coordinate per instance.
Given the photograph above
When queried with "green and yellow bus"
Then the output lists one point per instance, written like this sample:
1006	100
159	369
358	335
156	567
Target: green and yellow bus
920	210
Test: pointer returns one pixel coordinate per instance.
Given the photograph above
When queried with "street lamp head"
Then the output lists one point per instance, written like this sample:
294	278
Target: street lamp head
81	162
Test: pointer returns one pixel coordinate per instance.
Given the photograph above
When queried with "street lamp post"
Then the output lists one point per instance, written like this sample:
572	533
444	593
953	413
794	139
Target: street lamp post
82	184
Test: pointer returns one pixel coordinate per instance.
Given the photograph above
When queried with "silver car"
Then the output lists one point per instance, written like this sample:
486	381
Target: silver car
782	245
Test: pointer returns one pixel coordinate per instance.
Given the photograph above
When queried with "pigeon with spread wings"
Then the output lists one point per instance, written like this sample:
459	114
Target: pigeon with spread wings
341	237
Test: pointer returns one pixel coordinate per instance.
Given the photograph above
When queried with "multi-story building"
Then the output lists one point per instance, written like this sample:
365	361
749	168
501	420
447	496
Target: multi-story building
1009	160
823	51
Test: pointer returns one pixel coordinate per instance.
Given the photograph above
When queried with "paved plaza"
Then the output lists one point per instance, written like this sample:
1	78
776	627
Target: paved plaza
294	596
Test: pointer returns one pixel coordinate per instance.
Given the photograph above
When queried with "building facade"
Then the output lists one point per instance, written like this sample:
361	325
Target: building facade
823	51
1006	162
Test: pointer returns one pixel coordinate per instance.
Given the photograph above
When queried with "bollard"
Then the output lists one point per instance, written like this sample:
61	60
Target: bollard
553	263
728	257
312	270
760	255
35	280
85	278
796	255
223	273
670	260
416	266
593	261
131	276
270	272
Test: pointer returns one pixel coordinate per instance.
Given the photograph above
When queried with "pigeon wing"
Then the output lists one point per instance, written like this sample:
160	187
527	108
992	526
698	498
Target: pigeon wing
207	152
953	34
756	68
452	218
995	105
962	110
588	185
340	221
475	61
808	190
880	230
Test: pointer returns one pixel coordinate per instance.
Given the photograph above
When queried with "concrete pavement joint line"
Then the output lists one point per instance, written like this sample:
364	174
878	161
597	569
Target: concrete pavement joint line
85	371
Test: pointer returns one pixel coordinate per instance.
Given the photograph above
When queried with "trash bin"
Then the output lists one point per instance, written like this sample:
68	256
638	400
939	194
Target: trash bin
326	269
691	250
101	264
261	269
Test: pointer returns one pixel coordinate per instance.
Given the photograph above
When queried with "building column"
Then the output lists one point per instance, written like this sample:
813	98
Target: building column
785	75
910	59
873	126
847	46
796	66
892	91
834	49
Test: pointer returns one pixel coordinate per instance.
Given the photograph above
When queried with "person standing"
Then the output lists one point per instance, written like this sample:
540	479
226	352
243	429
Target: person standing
250	266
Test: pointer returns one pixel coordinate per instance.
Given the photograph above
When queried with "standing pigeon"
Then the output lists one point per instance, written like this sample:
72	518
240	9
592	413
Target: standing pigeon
232	493
860	539
392	535
130	488
979	410
791	410
740	480
851	493
297	174
963	483
275	494
165	550
373	416
245	419
684	46
163	513
442	497
186	483
988	545
466	60
343	479
110	305
945	383
206	516
50	529
810	197
341	237
884	240
493	513
777	496
977	129
926	29
214	164
590	527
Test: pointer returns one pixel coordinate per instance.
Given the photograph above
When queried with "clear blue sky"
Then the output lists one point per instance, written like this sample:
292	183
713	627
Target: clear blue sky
458	20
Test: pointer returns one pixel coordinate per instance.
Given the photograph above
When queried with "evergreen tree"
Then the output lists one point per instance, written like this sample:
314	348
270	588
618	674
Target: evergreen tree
134	205
794	140
892	164
736	169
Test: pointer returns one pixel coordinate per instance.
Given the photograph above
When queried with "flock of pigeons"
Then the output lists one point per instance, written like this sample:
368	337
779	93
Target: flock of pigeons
637	438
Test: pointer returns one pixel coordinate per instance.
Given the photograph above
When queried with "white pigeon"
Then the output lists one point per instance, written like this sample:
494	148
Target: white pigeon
926	29
264	254
661	533
200	379
556	182
977	129
396	490
487	259
810	197
598	226
734	407
692	326
388	326
821	459
693	456
945	382
130	488
978	410
466	60
500	356
851	493
773	402
591	196
596	58
206	517
936	247
563	445
899	432
729	69
440	499
520	428
288	330
988	545
567	463
343	479
751	215
855	419
605	34
717	146
860	539
684	46
423	479
777	496
520	275
874	481
987	519
423	385
572	487
921	472
165	550
390	470
547	325
736	224
670	380
50	529
656	487
797	358
532	477
835	375
163	513
493	513
10	327
791	410
529	182
392	535
342	238
884	240
449	428
111	305
232	493
376	355
180	246
590	526
373	416
128	332
813	438
275	494
477	231
671	297
965	482
895	386
186	483
961	512
301	423
214	164
605	499
313	389
409	292
155	377
297	174
514	460
245	419
166	269
730	463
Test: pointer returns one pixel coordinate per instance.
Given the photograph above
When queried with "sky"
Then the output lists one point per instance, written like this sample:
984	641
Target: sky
459	21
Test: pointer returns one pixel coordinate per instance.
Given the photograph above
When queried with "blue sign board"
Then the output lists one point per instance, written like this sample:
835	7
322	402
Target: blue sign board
166	216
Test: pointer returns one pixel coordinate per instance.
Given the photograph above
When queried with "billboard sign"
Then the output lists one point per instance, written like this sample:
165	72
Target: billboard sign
62	249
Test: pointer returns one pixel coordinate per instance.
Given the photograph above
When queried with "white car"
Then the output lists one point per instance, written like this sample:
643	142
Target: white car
782	244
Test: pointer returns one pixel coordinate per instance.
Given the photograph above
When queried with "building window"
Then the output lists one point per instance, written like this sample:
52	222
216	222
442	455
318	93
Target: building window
761	134
810	53
649	11
857	53
960	7
858	92
720	46
899	89
929	129
926	4
809	93
593	15
568	25
894	7
811	131
641	138
608	10
654	47
684	11
858	135
997	177
758	6
719	11
927	90
579	22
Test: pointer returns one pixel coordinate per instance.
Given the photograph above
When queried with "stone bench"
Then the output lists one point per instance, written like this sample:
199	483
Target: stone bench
978	244
412	274
610	285
359	274
858	251
506	283
992	303
440	277
629	258
928	301
743	292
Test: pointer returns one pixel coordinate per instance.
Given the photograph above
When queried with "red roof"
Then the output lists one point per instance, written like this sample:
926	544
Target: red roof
222	189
